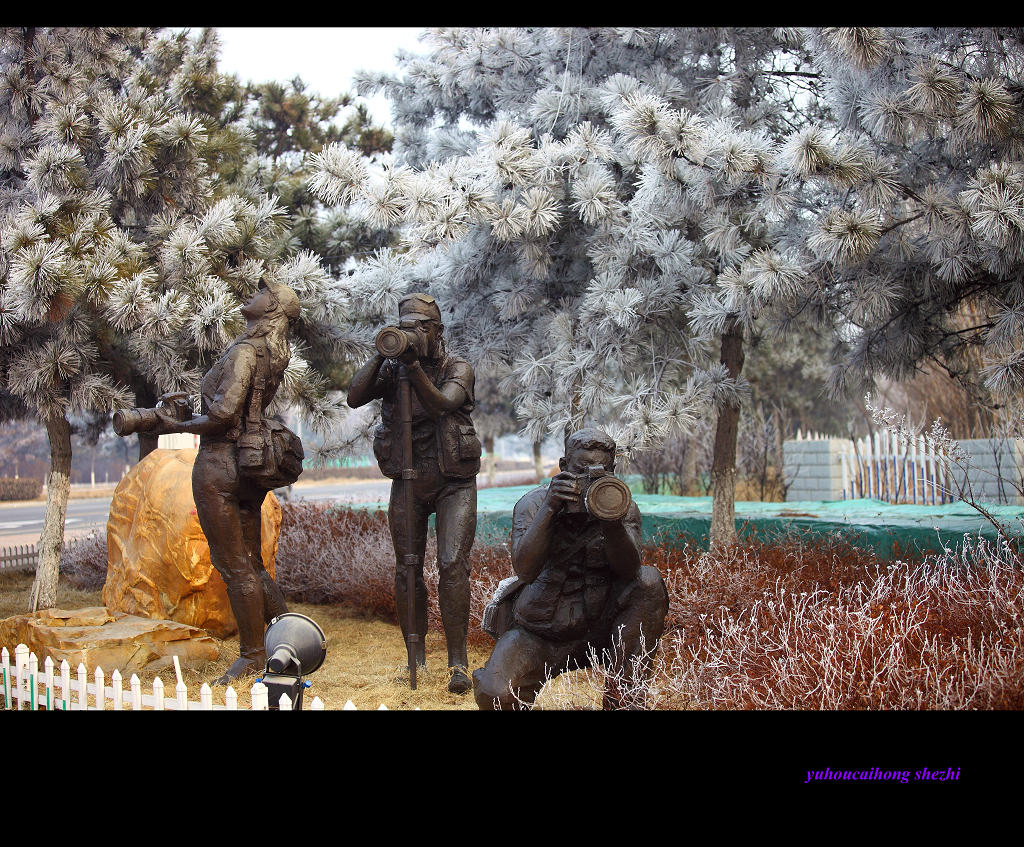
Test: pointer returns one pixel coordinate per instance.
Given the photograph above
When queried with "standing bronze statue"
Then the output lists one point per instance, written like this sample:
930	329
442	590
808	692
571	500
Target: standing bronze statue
579	584
427	445
243	454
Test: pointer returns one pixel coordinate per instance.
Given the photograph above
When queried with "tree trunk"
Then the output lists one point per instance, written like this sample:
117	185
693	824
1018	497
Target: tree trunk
146	398
780	452
538	464
723	468
51	541
689	481
147	444
489	448
780	437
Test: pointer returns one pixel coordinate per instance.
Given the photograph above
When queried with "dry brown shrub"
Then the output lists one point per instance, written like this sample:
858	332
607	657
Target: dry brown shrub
829	626
21	488
83	561
327	554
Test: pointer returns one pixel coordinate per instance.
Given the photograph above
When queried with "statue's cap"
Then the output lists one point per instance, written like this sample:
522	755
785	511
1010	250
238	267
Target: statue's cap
286	298
419	305
589	438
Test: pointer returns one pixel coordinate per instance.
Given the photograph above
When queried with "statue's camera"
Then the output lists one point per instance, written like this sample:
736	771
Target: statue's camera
393	341
130	421
602	495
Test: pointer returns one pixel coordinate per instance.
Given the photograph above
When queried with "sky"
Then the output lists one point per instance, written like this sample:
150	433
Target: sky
325	57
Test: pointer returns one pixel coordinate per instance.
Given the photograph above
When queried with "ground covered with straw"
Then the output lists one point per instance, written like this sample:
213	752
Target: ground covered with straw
797	624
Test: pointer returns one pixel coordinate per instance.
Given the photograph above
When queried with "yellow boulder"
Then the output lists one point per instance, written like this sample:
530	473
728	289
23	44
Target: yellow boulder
158	560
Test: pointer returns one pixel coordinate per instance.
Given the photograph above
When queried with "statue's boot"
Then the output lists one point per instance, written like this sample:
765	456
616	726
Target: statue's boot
248	609
458	660
460	682
453	598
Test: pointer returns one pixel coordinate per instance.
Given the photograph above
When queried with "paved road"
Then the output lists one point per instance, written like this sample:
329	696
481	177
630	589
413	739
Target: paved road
21	523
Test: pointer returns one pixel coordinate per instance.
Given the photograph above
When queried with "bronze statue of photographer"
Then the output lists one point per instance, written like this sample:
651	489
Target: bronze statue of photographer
580	587
431	451
242	455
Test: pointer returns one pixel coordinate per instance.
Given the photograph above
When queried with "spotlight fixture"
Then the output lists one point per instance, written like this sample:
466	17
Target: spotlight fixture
296	646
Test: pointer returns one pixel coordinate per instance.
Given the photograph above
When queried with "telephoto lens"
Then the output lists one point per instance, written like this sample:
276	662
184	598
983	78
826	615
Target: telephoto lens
392	342
130	421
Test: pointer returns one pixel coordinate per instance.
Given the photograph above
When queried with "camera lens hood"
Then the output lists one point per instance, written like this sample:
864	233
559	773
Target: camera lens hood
391	342
129	421
608	498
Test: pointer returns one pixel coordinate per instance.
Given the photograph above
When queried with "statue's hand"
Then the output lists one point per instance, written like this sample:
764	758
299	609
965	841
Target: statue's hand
409	355
563	488
166	422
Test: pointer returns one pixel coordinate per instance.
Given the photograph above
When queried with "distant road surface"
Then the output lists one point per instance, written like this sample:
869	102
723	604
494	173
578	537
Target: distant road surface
21	523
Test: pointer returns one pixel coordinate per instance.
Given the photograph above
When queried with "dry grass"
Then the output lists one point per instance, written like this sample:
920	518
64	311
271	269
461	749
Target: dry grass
15	587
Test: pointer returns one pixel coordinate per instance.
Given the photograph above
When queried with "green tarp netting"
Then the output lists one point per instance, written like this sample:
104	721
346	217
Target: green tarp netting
888	529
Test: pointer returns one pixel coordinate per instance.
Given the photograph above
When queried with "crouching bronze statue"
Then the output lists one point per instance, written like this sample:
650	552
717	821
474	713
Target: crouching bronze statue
243	454
580	588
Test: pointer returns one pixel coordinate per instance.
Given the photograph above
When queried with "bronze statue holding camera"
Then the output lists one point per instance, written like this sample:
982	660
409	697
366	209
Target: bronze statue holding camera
242	455
579	583
427	445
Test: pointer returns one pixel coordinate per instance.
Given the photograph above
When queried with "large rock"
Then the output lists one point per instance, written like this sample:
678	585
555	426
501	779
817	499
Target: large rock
98	637
158	560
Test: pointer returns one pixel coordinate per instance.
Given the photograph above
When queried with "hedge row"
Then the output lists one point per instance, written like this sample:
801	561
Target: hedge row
22	488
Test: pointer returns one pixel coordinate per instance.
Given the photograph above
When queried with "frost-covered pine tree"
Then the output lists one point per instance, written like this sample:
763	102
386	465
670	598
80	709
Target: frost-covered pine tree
54	247
594	207
125	247
916	254
289	124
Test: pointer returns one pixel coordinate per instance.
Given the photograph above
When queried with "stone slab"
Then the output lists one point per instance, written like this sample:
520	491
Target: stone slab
101	637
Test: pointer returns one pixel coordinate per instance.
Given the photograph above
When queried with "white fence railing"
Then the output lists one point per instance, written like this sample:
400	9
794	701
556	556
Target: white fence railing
22	684
882	467
20	557
25	557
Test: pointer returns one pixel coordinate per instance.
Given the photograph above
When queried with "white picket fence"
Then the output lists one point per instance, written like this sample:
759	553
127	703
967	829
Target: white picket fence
20	557
881	467
23	684
25	557
811	436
